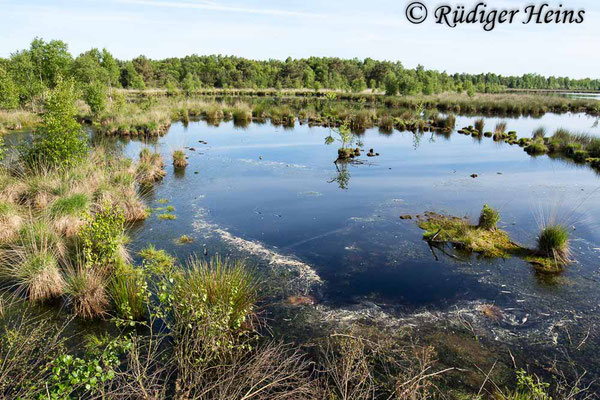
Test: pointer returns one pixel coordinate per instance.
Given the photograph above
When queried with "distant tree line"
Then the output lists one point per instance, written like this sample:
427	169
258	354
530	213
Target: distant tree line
28	73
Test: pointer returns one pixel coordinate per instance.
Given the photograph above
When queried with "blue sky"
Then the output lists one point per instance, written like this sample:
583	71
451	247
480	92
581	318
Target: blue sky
278	29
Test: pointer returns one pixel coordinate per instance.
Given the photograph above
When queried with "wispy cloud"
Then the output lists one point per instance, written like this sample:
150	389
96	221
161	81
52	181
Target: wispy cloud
207	5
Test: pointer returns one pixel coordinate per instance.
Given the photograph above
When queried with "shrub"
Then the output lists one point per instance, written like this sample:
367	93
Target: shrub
59	140
489	218
95	95
102	237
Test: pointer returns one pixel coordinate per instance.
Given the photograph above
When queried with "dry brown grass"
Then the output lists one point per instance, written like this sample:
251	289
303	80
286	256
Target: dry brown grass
86	288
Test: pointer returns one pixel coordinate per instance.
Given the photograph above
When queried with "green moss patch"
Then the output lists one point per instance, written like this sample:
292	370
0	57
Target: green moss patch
460	233
492	243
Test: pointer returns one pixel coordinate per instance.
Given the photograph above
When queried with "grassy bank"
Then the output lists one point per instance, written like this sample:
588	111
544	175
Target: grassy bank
151	112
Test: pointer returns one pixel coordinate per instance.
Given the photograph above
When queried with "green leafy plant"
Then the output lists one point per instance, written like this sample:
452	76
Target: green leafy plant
102	236
59	140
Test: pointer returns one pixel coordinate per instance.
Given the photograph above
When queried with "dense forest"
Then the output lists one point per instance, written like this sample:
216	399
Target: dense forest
26	75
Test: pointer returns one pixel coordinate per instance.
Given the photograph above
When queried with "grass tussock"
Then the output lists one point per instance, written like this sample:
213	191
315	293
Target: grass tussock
179	159
220	289
128	292
10	221
32	267
150	168
480	125
86	290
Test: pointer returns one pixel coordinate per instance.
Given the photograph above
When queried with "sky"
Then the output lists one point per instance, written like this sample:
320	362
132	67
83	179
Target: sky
302	28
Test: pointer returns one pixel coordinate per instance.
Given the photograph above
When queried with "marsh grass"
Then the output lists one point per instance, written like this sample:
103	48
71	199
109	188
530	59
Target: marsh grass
223	290
128	291
86	290
553	242
179	159
17	119
10	221
242	114
150	168
480	125
32	266
489	218
539	133
536	147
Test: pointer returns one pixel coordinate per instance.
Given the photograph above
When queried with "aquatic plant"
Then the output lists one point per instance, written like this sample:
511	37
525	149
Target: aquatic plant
459	232
489	218
553	242
157	261
184	239
128	290
480	125
220	290
167	216
86	290
32	266
539	133
536	147
179	159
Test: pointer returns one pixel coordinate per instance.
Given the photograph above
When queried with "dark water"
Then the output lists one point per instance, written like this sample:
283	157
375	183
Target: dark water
278	187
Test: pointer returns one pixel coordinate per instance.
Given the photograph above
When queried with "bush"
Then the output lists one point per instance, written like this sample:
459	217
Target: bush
95	95
59	140
102	237
489	218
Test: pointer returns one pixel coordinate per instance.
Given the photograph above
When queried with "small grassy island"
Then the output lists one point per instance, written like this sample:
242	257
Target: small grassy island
485	238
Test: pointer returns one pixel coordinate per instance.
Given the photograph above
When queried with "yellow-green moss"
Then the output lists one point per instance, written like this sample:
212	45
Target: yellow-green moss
493	243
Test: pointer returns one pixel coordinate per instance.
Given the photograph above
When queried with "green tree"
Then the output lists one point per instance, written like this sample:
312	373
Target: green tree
391	84
95	95
130	79
9	94
59	140
190	84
